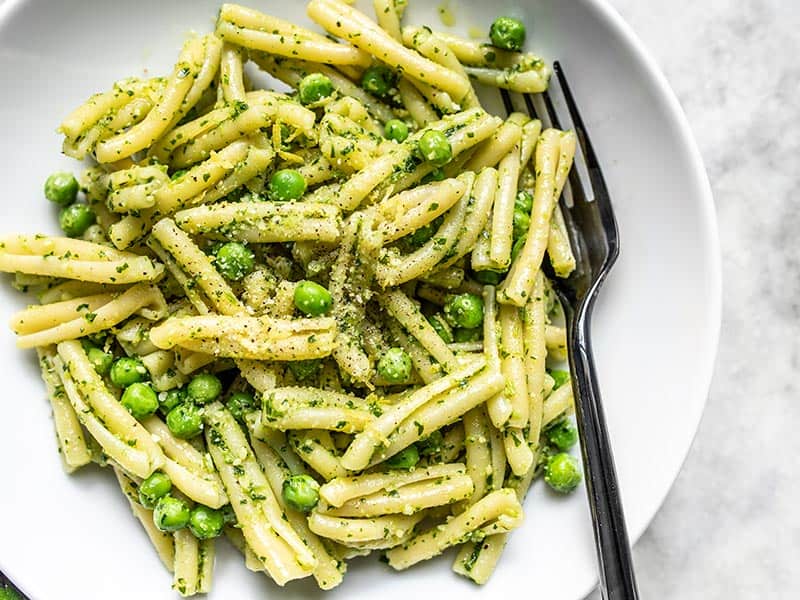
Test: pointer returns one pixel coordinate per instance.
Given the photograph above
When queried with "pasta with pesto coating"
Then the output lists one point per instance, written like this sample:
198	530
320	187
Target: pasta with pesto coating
302	299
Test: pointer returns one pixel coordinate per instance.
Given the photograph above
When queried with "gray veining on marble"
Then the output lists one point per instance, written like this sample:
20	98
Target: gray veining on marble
730	528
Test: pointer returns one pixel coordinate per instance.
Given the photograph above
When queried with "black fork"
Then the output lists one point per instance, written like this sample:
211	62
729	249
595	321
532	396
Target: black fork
595	241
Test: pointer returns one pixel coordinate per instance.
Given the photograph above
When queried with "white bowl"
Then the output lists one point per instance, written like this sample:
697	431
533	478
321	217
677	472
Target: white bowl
655	328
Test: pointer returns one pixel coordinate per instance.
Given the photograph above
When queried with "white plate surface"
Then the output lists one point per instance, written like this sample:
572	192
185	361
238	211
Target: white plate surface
655	329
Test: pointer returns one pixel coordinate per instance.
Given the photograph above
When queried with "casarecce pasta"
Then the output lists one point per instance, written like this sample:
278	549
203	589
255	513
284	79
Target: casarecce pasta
315	319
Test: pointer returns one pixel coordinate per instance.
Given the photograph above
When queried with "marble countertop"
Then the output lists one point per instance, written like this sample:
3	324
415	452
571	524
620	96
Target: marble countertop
730	527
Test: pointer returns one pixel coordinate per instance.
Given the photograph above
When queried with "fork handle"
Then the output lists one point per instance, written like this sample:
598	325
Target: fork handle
617	579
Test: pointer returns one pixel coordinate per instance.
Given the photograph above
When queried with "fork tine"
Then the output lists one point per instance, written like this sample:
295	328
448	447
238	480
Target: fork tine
561	106
537	107
575	114
529	105
545	107
550	118
517	103
507	102
537	101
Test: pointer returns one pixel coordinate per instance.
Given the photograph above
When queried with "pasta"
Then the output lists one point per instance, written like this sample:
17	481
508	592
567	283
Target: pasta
163	542
121	436
497	513
554	152
275	543
255	338
186	466
254	30
329	570
196	67
263	223
71	441
316	321
70	319
194	563
342	20
74	259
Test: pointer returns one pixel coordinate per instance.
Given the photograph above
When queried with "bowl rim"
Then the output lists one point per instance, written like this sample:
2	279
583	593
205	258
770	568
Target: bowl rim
606	13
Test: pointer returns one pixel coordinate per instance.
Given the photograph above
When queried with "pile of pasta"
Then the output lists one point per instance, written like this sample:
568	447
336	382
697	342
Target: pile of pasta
180	164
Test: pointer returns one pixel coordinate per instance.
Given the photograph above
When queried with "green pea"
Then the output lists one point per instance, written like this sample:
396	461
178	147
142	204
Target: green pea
301	492
435	148
140	400
442	327
560	376
395	365
523	202
406	459
378	80
488	277
562	434
185	420
432	444
206	523
152	489
508	33
204	388
171	398
463	336
522	222
396	130
312	299
127	370
171	514
101	361
562	473
240	403
286	185
234	260
61	188
464	310
304	370
75	219
313	88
